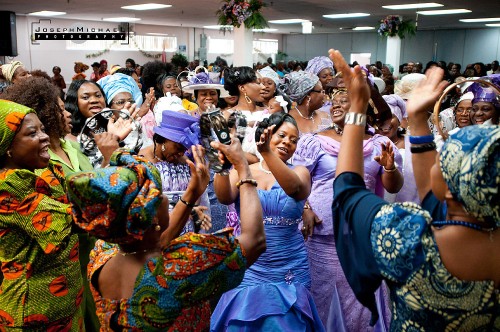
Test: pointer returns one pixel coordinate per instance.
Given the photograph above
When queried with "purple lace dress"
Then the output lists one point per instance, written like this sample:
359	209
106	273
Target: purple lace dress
336	303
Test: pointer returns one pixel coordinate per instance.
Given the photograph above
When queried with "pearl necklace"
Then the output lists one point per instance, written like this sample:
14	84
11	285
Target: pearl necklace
311	117
262	167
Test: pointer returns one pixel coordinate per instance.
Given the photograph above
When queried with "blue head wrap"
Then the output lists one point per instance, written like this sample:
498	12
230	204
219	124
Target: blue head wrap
317	64
470	163
299	83
116	83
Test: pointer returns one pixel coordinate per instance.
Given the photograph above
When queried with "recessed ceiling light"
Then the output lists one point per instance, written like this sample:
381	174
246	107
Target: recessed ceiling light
414	6
146	6
288	21
474	20
346	15
269	40
218	27
121	19
444	12
493	25
363	28
264	30
156	34
47	13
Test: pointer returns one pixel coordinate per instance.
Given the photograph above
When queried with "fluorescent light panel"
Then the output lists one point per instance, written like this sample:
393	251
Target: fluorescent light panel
493	25
217	27
264	30
444	12
47	13
346	15
146	6
288	21
414	6
475	20
156	34
363	28
121	19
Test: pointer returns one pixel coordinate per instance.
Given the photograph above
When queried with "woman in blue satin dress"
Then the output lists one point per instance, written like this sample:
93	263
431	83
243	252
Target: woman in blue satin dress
274	295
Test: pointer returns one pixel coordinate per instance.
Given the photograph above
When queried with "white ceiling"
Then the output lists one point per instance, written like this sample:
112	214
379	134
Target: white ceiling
202	12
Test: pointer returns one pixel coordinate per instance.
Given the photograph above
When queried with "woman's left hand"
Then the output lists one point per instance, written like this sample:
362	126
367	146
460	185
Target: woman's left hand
265	138
206	220
200	175
386	158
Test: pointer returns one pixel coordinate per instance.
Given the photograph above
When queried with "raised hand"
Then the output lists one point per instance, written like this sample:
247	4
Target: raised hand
425	94
120	127
107	143
200	175
233	152
354	79
386	158
265	139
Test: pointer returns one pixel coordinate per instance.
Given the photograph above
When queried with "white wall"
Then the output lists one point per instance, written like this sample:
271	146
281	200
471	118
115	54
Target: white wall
54	53
462	46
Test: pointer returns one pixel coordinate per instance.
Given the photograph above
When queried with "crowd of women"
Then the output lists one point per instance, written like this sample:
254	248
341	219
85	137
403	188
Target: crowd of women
335	206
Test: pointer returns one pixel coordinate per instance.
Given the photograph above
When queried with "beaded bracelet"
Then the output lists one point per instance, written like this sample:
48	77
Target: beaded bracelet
423	148
191	205
249	181
421	139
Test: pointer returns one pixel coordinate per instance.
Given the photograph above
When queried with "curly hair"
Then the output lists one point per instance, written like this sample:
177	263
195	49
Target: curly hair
71	104
234	77
151	71
41	95
275	119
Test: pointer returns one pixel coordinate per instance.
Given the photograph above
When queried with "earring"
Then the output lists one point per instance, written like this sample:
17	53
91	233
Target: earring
248	100
163	147
157	228
9	154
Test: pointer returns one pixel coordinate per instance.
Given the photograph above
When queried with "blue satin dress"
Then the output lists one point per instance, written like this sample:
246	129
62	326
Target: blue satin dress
274	295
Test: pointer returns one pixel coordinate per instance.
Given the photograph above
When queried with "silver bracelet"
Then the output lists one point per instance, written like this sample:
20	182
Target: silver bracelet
358	119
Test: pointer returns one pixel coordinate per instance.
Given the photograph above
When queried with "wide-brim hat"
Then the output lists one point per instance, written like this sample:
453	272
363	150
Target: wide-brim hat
210	86
202	81
179	127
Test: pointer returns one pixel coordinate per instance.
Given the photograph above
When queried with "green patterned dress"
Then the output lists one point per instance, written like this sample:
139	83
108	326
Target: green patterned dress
41	288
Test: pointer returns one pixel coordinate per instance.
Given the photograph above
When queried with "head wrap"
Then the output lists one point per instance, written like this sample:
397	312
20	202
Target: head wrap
486	93
169	102
397	105
103	62
11	118
114	84
404	86
465	96
299	84
8	70
179	127
95	64
117	203
470	163
114	69
378	82
270	73
317	64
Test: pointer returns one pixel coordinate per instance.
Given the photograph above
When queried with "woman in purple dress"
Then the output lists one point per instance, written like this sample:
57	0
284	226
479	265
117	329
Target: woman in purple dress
337	305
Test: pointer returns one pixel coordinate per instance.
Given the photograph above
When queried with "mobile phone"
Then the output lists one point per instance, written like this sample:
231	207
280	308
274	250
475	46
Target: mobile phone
213	127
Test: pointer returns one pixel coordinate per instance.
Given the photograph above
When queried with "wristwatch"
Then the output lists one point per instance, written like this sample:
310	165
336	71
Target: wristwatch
358	119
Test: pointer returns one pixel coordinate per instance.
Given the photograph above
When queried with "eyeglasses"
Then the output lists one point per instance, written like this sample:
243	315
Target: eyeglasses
319	91
463	110
122	102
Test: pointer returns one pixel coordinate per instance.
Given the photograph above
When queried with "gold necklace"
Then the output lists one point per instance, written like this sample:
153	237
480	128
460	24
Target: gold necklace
311	117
